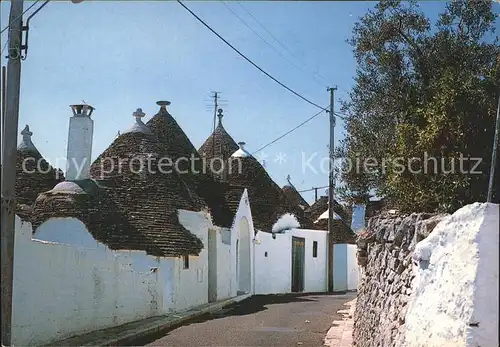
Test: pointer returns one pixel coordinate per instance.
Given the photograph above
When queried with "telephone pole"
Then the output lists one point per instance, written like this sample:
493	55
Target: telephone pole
9	165
331	187
494	154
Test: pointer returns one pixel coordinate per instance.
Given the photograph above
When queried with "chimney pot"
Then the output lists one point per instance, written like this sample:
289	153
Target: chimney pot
79	150
82	110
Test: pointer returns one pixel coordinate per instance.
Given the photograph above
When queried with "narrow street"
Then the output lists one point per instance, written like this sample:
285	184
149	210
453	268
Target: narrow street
272	320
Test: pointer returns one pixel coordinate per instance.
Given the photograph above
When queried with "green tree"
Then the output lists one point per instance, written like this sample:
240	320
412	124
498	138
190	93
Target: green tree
423	90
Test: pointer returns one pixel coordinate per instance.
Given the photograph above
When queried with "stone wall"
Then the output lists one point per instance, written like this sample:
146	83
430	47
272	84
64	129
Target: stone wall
385	255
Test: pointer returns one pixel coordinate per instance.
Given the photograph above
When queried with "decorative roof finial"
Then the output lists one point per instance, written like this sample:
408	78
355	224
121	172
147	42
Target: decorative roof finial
220	115
288	179
26	143
138	114
26	133
139	126
163	105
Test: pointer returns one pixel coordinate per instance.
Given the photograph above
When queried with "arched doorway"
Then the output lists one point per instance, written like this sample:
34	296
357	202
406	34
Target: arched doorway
243	258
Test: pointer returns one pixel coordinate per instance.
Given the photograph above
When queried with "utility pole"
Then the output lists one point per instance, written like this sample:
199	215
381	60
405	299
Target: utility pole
4	81
9	165
494	154
331	187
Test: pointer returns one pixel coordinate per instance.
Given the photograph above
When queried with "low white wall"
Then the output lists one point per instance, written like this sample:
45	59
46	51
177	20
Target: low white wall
273	273
61	290
353	270
340	267
455	292
225	266
192	283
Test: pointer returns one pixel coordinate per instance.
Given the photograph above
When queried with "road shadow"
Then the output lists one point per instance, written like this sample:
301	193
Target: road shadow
248	306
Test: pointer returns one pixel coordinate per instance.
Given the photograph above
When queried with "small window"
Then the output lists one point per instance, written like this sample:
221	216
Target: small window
185	259
265	254
315	249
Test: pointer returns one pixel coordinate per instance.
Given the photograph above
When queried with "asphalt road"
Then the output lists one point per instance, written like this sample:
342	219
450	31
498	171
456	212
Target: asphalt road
271	320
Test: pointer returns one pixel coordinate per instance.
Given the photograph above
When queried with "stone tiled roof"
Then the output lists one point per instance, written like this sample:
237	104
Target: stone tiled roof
267	201
150	200
127	208
294	196
33	175
32	181
224	143
321	205
95	206
175	144
342	230
342	233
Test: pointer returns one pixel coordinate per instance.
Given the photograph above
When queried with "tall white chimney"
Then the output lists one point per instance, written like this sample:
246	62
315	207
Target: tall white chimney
81	131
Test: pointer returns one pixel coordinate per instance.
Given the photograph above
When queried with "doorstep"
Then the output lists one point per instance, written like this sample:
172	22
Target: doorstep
129	332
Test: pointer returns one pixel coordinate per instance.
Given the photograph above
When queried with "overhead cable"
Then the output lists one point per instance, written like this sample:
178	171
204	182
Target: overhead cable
248	59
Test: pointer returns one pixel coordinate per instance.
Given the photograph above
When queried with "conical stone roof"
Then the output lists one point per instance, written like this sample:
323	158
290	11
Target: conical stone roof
148	194
132	200
294	196
94	206
342	231
267	201
33	175
219	143
176	145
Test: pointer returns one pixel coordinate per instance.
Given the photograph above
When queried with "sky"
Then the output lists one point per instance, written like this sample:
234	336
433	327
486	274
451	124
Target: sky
121	55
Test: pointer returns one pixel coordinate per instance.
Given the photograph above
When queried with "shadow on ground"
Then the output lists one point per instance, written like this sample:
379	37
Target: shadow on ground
251	305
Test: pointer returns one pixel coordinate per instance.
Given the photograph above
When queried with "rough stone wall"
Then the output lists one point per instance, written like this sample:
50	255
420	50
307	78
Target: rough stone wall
384	253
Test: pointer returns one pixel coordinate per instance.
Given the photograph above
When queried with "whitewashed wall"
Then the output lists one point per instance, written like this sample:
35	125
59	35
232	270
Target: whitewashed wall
61	290
243	213
353	270
192	283
225	264
273	273
340	266
454	299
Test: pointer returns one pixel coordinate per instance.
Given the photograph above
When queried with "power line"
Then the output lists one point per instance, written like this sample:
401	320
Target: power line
266	42
310	190
293	129
278	41
22	14
247	59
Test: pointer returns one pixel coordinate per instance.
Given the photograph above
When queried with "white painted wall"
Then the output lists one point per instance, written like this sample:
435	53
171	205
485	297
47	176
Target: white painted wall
62	290
353	270
273	273
243	213
66	283
340	266
225	267
456	282
192	284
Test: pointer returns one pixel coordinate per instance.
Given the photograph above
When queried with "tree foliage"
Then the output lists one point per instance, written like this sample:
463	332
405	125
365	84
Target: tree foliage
423	90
